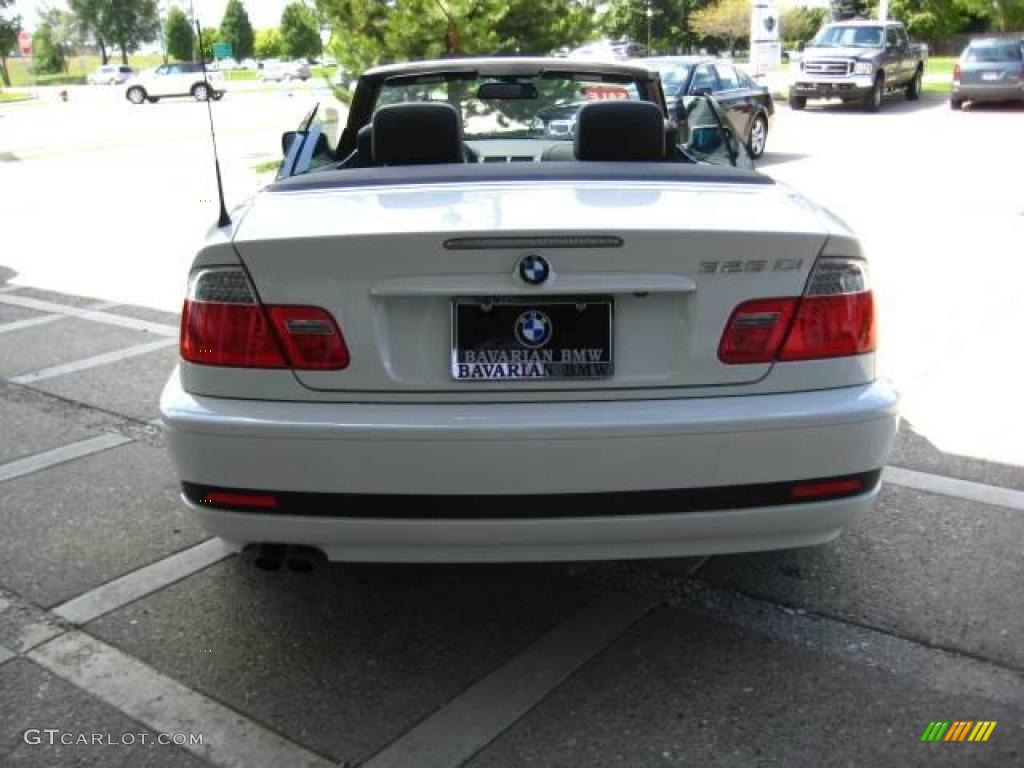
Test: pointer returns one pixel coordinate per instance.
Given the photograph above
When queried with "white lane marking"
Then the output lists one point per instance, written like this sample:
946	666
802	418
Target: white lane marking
145	581
31	322
477	716
5	654
92	362
109	318
65	453
166	706
953	486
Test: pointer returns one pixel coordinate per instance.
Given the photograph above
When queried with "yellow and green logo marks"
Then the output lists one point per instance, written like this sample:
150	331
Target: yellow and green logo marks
959	730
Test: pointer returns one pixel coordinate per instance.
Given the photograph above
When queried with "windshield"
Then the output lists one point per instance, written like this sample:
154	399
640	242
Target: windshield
544	106
851	37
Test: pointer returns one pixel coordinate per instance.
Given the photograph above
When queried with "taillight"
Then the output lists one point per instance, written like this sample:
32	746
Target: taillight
755	331
311	338
956	72
223	323
834	318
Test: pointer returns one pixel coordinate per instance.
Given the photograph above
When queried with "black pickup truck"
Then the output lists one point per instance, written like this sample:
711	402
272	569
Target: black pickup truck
859	61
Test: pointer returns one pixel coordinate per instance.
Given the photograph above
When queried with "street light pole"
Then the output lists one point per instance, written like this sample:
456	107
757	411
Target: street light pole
650	22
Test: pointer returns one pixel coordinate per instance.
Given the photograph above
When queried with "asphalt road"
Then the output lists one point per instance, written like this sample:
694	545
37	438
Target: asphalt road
119	618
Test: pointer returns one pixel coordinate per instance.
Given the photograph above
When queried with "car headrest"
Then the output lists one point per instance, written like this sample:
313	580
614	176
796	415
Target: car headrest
620	130
364	147
417	133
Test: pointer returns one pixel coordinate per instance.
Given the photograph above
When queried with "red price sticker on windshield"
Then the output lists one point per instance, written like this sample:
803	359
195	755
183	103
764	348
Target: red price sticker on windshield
596	92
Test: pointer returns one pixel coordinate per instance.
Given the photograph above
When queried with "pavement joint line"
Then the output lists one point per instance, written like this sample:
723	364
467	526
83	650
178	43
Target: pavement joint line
955	487
798	612
92	362
485	710
6	654
230	739
10	288
61	455
109	318
142	582
31	322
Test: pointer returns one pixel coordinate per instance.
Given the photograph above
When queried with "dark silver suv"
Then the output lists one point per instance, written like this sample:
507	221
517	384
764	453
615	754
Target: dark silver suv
989	69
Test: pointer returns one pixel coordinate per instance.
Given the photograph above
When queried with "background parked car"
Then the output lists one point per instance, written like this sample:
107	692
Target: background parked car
748	105
989	69
111	74
182	78
608	50
278	71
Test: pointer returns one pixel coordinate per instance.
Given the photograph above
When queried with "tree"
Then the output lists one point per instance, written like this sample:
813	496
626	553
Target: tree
800	23
268	44
378	32
728	20
300	31
929	20
209	36
125	24
48	56
178	35
236	29
89	16
670	22
10	26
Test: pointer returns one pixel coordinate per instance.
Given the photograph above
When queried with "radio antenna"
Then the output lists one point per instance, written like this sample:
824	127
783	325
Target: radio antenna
224	220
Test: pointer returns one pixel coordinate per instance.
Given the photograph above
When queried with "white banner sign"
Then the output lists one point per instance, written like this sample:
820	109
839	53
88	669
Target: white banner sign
765	46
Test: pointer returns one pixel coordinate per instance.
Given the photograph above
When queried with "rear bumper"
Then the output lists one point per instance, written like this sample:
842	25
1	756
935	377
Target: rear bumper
532	449
989	92
545	539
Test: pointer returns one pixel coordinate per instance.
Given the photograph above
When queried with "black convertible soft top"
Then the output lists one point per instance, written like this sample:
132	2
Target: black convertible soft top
463	173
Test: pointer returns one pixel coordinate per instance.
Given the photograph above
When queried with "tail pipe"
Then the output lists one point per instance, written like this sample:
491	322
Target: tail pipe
296	558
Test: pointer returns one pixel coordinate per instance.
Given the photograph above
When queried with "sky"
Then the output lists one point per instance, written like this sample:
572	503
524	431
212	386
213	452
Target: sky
262	13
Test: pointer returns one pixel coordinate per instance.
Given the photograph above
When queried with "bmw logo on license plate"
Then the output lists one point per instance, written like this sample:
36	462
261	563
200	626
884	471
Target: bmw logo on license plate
533	329
534	269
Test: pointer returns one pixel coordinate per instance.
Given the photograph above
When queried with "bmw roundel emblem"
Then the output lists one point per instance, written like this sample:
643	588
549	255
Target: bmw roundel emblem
533	328
534	269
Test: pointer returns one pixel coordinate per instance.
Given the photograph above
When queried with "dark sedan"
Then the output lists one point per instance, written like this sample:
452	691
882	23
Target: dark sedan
989	70
748	105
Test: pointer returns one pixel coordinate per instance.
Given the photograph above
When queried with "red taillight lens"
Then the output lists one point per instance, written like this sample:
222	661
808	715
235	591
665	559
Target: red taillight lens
834	318
213	333
232	499
956	72
831	326
223	323
826	488
311	338
756	330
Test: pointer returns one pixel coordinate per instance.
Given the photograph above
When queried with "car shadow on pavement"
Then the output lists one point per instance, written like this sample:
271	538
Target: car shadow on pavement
777	158
894	104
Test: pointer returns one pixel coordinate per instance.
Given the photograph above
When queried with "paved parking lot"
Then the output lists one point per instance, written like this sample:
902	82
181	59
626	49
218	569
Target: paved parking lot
119	618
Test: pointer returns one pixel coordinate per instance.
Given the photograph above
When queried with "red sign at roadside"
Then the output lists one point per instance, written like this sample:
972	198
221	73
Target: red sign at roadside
24	43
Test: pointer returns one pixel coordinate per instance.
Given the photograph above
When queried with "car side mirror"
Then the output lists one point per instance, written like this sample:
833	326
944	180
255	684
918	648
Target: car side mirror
286	140
800	46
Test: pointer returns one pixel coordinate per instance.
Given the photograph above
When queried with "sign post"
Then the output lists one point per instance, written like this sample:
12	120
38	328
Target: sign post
765	46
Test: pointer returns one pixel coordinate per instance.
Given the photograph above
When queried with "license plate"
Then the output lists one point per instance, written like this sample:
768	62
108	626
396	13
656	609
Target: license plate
989	76
514	339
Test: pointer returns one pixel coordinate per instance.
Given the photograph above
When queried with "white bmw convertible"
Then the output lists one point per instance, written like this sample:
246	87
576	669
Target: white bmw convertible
457	335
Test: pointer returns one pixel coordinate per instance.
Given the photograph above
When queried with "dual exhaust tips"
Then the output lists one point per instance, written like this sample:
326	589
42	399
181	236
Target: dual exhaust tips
294	557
